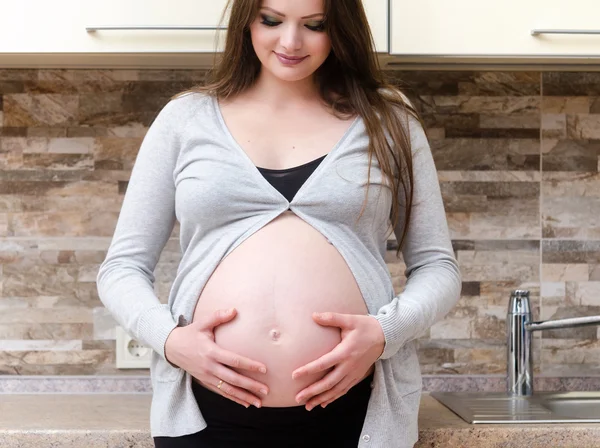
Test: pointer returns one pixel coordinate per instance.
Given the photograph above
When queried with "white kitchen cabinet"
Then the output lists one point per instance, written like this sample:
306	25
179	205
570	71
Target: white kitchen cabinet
495	28
42	33
36	26
377	14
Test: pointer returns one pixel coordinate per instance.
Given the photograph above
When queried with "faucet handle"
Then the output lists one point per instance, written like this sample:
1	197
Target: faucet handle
519	303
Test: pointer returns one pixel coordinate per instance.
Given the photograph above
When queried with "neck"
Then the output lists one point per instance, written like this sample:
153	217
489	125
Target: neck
282	95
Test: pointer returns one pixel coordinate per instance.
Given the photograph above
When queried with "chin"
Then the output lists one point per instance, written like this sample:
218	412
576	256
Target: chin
292	77
290	74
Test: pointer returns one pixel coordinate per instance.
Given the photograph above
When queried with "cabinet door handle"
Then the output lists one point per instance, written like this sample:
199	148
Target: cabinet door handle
538	32
91	29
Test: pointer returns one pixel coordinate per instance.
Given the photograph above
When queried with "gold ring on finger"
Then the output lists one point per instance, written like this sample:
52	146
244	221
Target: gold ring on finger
220	384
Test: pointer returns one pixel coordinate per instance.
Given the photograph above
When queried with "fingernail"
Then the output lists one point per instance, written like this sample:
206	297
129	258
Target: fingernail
264	391
263	370
257	404
309	408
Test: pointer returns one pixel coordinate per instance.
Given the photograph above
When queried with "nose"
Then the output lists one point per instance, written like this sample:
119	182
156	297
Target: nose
291	39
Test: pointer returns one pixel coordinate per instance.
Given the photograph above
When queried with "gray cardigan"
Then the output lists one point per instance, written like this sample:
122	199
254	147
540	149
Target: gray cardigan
190	169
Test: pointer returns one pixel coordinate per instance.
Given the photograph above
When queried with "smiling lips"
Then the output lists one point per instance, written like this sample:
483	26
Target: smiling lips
289	60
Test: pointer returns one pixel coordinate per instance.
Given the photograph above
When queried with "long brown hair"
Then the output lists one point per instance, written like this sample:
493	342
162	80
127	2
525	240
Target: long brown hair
350	82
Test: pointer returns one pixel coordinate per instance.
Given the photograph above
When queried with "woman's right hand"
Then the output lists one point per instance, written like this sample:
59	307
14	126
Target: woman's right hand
193	349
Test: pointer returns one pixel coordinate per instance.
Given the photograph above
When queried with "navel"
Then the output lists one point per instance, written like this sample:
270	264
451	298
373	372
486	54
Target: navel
275	334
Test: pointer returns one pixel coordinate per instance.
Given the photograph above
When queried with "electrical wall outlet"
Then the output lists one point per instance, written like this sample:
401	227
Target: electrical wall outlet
131	354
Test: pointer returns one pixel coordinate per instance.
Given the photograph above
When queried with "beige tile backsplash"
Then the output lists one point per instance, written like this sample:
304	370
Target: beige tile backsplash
518	158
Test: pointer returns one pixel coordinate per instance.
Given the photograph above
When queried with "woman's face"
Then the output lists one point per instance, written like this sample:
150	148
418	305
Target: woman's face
289	39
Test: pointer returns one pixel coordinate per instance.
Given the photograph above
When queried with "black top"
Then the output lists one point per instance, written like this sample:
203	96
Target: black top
289	180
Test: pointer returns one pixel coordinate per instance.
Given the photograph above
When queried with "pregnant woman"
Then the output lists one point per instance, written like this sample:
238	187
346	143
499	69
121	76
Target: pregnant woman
287	172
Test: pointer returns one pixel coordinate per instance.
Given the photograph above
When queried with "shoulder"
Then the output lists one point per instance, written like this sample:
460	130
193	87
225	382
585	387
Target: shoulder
183	105
406	113
188	102
396	95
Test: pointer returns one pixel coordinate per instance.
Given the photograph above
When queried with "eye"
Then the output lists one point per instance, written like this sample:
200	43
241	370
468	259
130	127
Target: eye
269	21
315	26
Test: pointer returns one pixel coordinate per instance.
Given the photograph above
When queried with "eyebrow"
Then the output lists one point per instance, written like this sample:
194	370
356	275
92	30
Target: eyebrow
283	15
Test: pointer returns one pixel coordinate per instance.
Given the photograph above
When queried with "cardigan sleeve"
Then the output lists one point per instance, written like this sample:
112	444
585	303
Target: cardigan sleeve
125	279
434	282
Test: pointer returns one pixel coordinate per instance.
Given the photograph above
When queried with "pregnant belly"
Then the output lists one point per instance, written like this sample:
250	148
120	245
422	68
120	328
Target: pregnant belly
276	279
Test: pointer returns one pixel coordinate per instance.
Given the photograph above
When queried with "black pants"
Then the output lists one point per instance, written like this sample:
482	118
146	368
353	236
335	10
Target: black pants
231	425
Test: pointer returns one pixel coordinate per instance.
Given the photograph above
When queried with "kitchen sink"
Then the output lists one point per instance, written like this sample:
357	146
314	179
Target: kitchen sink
519	403
542	407
577	405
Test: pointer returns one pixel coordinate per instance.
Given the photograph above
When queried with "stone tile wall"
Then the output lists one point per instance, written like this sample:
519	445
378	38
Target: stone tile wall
517	155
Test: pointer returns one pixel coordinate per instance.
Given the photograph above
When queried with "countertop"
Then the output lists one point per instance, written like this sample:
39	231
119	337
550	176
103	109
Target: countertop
122	420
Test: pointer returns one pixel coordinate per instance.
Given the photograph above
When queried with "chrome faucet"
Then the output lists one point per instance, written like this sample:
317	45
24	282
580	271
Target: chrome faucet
519	327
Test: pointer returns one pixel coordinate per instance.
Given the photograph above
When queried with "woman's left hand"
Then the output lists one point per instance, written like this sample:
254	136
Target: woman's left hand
362	344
